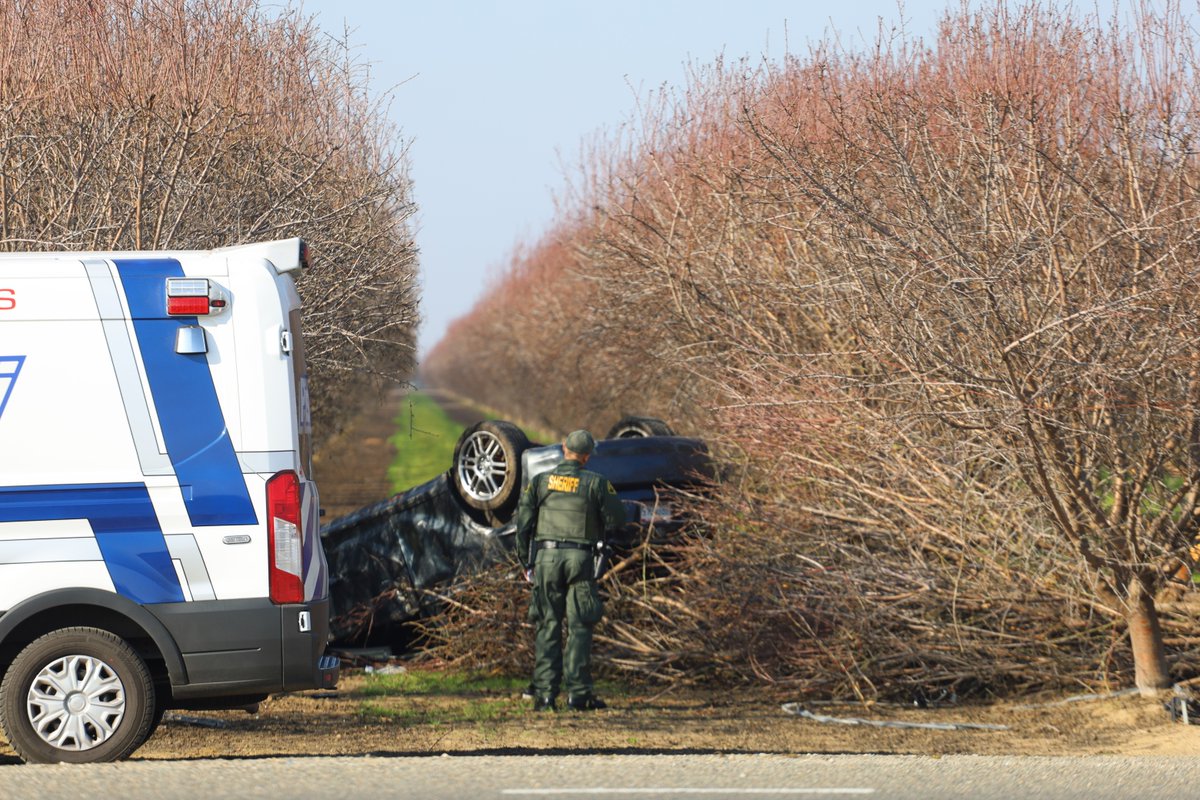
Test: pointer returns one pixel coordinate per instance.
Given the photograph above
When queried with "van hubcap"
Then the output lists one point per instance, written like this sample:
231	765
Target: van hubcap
76	702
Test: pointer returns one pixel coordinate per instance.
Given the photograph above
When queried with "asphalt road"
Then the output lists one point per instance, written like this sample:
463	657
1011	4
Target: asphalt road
652	776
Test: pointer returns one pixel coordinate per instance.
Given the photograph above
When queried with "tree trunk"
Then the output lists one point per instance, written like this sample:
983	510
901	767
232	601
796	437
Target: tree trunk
1145	635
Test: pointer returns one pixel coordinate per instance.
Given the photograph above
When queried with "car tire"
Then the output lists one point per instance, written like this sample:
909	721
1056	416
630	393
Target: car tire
77	695
487	467
639	427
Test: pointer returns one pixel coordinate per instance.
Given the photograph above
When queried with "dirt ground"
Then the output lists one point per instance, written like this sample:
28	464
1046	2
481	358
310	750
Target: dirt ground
354	721
351	722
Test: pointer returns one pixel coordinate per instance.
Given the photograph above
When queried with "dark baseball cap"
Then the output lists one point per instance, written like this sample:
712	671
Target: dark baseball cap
580	442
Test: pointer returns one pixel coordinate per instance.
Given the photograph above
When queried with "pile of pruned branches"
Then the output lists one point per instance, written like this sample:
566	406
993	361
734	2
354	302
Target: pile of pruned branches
833	609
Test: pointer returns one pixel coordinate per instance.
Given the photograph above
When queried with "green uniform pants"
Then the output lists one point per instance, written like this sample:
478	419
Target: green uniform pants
564	588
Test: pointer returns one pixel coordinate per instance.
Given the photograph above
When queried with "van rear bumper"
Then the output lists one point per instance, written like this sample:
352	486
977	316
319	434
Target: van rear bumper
241	648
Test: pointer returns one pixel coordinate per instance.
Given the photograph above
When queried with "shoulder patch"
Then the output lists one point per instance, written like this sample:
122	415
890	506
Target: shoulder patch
611	489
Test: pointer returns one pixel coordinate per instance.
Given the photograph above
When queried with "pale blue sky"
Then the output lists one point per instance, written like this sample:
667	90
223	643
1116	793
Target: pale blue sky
497	97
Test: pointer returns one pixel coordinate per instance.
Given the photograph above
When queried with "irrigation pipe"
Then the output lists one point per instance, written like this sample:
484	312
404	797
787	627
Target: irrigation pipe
1079	698
797	710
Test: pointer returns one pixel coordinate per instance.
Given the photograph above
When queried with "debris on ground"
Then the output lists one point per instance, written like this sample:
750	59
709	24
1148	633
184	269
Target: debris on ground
1080	698
797	710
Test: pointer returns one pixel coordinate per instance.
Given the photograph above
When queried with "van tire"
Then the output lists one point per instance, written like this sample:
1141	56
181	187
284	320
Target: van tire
162	690
112	660
637	427
487	467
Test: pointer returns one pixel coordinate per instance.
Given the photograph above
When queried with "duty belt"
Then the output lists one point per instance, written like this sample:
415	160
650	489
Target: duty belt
553	544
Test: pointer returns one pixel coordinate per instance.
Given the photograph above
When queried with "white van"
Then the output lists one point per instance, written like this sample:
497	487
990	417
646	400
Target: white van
159	536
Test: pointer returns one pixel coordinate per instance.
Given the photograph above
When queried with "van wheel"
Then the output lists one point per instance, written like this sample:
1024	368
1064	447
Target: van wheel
162	691
77	695
638	427
487	466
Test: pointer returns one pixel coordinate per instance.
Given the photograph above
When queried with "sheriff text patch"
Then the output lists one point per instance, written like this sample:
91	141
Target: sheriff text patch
562	483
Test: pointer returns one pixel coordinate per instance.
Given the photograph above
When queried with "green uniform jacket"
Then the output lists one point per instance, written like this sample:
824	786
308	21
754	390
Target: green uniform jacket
569	504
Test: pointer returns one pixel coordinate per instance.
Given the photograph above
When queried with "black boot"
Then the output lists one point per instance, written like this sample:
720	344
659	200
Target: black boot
544	703
585	702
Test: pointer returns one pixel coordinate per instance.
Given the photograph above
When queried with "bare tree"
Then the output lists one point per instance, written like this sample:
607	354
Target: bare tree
160	124
1018	247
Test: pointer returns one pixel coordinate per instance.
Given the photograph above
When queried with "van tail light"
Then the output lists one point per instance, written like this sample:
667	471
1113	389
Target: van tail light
187	306
284	542
187	297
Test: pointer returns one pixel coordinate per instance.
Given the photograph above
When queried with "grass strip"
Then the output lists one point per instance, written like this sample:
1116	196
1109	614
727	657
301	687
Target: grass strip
456	684
433	697
430	682
449	697
424	442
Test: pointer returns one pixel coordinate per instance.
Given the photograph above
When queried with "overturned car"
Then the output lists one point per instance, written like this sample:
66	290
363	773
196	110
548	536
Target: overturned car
388	560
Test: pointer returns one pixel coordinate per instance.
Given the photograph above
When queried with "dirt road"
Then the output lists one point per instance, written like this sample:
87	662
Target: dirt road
456	408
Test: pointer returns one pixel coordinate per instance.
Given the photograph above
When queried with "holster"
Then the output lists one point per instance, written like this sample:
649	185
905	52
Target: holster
600	559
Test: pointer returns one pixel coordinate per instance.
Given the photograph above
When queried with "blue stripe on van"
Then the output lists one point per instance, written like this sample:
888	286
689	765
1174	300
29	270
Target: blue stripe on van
189	412
126	528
